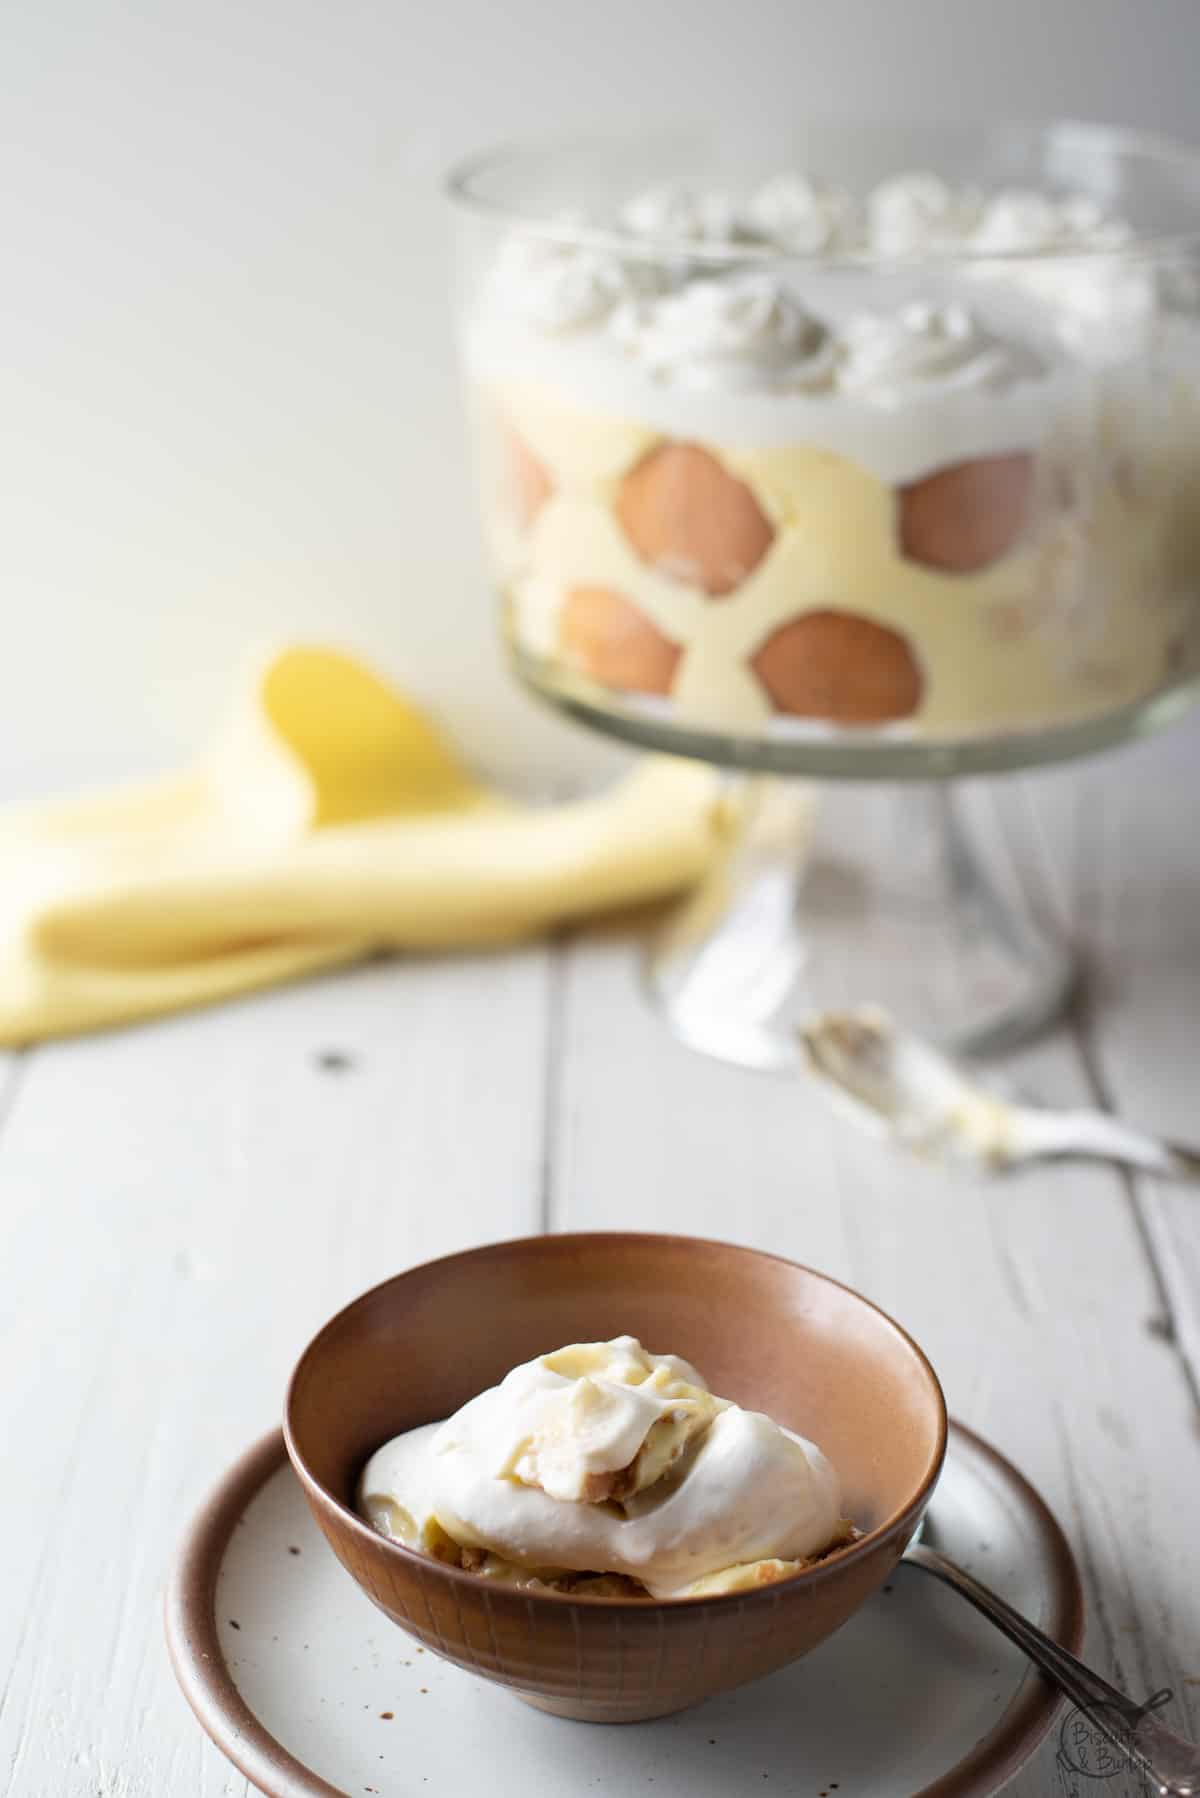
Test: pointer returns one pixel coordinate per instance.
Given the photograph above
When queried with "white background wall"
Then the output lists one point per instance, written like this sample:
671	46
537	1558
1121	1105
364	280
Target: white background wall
231	412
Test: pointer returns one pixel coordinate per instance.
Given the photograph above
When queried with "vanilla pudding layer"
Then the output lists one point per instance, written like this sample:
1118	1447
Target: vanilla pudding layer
1084	603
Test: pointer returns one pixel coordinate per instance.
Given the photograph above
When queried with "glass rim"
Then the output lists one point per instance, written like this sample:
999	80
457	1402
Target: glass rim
1131	145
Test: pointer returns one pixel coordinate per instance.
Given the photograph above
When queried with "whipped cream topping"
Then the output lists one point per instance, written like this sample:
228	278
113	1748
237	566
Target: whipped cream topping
561	285
677	214
919	213
1022	221
616	1424
801	215
1101	309
558	286
510	1474
889	358
774	350
739	332
915	213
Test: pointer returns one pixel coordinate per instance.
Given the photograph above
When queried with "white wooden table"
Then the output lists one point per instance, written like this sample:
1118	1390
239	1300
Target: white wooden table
181	1204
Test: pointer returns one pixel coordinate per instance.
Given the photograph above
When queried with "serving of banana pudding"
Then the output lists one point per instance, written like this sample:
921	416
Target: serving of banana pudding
923	461
605	1471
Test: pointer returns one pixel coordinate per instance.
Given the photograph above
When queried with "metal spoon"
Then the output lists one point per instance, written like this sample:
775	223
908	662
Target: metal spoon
1170	1762
897	1086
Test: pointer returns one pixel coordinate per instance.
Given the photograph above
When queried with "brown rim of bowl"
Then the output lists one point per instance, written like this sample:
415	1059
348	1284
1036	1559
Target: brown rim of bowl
557	1243
200	1667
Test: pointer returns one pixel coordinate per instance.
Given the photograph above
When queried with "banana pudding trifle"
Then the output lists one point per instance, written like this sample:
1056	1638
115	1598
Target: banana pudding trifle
605	1471
918	462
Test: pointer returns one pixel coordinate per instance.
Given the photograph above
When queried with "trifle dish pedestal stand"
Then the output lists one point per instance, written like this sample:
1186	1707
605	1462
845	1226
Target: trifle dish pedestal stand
900	887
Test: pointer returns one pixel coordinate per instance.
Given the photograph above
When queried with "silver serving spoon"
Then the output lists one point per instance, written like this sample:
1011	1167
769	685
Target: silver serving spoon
897	1086
1170	1762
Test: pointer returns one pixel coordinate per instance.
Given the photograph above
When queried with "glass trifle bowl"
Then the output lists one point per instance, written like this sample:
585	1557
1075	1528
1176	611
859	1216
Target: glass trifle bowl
857	453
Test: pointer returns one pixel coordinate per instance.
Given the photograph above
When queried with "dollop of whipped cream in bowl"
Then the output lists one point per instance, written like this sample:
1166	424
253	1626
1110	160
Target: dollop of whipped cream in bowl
600	1460
892	357
733	332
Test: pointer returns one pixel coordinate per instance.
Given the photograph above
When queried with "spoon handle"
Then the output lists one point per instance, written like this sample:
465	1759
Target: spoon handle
1096	1133
1172	1763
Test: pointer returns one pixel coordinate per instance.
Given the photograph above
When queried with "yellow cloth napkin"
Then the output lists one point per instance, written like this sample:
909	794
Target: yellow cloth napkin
328	820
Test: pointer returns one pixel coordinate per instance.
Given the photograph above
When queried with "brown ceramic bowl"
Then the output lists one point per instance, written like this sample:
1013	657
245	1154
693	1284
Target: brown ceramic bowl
772	1335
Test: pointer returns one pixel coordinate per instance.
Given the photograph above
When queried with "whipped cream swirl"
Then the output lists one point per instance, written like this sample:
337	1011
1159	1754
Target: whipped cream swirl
914	214
1022	221
677	214
889	358
919	213
801	215
560	286
739	333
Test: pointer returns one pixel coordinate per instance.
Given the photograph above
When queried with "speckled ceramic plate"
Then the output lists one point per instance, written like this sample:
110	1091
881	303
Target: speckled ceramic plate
312	1693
